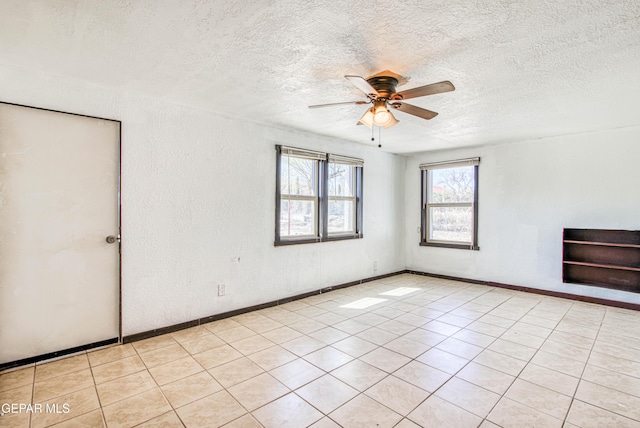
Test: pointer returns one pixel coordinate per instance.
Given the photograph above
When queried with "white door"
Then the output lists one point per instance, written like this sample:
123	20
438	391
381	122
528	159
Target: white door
59	278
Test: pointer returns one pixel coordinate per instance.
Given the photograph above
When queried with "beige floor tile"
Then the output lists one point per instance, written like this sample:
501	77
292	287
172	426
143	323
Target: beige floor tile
550	379
154	343
62	385
235	334
60	367
385	359
488	424
328	335
486	377
281	335
78	403
272	357
175	370
512	349
442	360
296	373
15	418
558	363
217	356
609	399
246	421
303	345
351	326
212	411
455	320
509	413
92	419
354	346
363	411
371	319
258	391
532	329
522	338
440	327
328	358
136	410
407	347
287	411
426	337
221	325
459	348
585	415
359	375
236	371
564	350
571	339
112	353
306	325
468	396
377	336
263	325
619	351
202	343
188	334
167	420
252	344
545	323
486	328
311	311
497	321
16	378
190	388
125	387
396	327
474	338
436	412
115	369
618	381
422	376
163	355
542	399
504	363
413	319
325	423
400	396
327	393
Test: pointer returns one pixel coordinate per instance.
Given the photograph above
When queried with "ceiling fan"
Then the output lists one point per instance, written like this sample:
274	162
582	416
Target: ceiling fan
381	92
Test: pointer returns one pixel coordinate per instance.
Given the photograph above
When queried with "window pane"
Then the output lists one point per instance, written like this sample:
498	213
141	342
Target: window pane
451	185
341	182
451	224
298	176
342	216
297	218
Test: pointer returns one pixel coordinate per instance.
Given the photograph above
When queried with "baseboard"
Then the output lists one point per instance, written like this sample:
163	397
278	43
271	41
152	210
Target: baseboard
176	327
569	296
51	355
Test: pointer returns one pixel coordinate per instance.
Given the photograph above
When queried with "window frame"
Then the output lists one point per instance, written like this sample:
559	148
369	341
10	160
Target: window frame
322	207
425	205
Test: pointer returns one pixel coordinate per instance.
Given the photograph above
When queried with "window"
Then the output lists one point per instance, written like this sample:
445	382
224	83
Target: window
450	204
318	196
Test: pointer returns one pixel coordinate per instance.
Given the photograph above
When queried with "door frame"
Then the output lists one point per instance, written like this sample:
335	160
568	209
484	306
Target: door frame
82	348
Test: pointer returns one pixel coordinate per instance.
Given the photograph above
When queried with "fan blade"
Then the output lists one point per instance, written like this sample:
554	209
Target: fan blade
416	111
421	91
360	83
338	104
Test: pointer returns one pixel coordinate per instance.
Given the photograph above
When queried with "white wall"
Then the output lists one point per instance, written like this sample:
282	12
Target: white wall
198	189
529	192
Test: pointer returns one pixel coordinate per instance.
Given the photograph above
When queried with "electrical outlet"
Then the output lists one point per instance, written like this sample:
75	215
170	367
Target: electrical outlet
222	289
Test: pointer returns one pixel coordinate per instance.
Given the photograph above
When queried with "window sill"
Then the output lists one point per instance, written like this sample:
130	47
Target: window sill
446	245
285	242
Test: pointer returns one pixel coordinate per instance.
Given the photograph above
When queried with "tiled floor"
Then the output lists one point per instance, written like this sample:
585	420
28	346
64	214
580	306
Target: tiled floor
425	352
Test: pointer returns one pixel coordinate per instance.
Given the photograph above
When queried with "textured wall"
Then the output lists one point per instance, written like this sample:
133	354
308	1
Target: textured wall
198	190
529	192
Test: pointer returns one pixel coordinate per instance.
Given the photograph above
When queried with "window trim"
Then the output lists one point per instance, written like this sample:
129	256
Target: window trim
322	209
424	217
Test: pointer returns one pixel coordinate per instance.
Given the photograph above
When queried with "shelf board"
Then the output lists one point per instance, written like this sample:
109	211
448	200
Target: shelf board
599	265
603	244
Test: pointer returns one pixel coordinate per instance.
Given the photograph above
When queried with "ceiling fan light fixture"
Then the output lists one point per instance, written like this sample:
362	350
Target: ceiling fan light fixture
367	118
381	115
392	121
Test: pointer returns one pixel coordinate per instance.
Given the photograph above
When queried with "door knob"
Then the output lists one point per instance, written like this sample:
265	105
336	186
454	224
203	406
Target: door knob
112	239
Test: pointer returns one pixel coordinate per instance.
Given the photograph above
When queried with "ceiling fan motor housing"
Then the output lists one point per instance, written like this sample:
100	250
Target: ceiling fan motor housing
385	85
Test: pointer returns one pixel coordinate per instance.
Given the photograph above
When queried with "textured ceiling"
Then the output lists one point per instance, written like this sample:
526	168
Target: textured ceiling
522	70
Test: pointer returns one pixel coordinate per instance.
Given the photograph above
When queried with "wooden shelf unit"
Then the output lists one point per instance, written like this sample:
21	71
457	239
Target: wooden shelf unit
607	258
